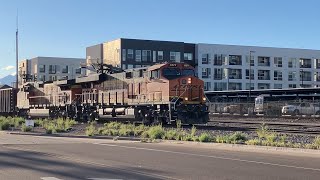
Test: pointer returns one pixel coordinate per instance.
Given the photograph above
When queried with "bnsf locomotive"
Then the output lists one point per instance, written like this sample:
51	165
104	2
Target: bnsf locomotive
161	93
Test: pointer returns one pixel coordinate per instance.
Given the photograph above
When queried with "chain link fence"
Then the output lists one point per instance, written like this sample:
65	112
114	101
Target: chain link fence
265	108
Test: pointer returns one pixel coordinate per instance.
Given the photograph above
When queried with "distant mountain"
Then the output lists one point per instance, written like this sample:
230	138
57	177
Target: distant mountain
8	80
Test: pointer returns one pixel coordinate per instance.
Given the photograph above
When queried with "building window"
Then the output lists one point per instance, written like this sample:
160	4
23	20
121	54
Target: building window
175	56
218	74
263	74
41	78
220	86
130	66
263	61
251	74
138	55
292	86
235	74
78	71
317	62
251	60
277	86
317	76
124	55
130	54
160	55
305	63
292	76
305	76
248	86
278	61
52	78
52	69
65	69
42	68
188	56
154	56
146	55
206	72
292	63
277	75
205	58
235	60
124	66
207	86
220	59
234	86
263	86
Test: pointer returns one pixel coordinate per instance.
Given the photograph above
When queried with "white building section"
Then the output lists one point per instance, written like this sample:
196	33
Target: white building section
49	69
227	67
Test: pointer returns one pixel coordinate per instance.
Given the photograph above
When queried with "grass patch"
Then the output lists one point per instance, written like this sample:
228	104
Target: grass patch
91	129
25	128
205	137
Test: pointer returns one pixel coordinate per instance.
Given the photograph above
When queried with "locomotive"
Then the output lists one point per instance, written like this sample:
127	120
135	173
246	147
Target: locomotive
162	93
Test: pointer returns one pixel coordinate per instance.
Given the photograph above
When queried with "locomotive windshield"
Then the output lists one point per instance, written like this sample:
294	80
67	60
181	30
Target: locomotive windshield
172	73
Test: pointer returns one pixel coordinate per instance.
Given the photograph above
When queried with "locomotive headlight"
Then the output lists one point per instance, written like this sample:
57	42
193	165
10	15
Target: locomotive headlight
189	80
204	99
186	98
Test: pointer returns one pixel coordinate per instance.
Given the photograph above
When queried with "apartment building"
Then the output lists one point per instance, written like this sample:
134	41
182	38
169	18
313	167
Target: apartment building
134	53
49	69
231	67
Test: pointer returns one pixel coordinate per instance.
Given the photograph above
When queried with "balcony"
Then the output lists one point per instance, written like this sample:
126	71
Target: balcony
263	61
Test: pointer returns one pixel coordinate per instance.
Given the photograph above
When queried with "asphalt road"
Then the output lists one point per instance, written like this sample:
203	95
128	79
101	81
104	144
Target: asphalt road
48	158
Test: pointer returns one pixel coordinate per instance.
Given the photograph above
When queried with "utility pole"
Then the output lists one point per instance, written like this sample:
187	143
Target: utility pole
250	52
17	54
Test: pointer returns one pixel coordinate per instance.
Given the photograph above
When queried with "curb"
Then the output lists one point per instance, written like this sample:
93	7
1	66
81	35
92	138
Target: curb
219	146
75	136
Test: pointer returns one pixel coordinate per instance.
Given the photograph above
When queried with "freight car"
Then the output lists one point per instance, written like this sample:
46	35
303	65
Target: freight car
161	93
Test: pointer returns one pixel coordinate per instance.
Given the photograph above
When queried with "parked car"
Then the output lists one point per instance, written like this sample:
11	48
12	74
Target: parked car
302	108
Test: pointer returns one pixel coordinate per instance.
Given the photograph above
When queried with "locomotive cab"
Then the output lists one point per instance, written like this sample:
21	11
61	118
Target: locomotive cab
182	90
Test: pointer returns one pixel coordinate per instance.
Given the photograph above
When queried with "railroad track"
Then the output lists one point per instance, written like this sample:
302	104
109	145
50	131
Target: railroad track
280	127
226	115
245	126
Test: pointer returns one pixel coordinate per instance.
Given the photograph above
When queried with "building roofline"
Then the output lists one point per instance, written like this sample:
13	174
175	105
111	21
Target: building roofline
284	48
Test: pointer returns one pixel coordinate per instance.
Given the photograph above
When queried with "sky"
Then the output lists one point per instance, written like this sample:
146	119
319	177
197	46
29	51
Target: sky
64	28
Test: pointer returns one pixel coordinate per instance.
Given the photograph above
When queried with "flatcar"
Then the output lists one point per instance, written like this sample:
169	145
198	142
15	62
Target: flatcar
162	93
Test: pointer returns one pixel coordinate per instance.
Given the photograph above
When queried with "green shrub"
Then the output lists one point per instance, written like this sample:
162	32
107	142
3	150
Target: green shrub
271	138
113	125
222	139
195	138
91	129
138	130
170	134
193	131
237	137
145	134
316	142
253	142
263	131
156	132
4	125
204	137
25	128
